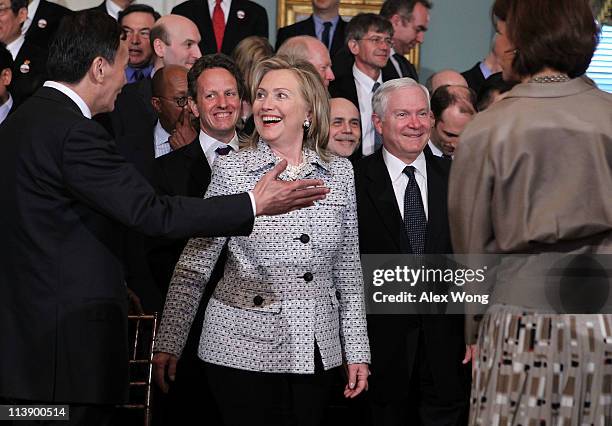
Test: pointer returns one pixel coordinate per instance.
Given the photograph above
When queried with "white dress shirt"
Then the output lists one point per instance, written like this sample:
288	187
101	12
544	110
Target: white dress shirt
15	45
72	95
395	168
210	144
32	8
394	62
225	7
113	9
5	108
162	146
364	85
434	149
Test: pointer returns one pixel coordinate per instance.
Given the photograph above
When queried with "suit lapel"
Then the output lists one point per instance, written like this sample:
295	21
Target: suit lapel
436	201
309	27
338	40
206	27
231	37
380	191
199	170
389	72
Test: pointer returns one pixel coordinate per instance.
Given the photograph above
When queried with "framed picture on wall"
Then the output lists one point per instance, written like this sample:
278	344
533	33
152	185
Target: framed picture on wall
292	11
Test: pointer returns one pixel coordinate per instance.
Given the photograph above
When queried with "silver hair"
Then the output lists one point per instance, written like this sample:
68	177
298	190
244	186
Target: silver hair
381	97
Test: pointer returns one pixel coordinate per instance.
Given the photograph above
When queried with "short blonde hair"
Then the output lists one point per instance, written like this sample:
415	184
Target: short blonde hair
313	92
251	51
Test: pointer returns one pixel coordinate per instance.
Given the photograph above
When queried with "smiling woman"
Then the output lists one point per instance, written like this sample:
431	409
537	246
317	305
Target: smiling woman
290	301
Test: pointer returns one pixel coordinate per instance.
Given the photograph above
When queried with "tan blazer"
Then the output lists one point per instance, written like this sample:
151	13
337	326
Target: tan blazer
533	174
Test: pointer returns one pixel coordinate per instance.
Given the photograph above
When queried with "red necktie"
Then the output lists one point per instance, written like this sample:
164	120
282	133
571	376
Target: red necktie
218	24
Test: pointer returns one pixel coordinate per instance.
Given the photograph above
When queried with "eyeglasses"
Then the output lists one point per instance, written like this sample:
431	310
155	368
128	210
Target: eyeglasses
4	9
378	40
181	102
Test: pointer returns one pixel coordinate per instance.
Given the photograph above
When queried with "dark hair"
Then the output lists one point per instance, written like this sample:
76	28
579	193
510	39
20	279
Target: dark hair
494	83
360	24
18	4
446	96
216	60
81	38
560	34
159	31
6	59
133	8
401	7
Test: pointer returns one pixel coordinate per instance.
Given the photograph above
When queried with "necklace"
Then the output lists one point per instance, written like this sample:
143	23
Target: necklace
293	171
553	78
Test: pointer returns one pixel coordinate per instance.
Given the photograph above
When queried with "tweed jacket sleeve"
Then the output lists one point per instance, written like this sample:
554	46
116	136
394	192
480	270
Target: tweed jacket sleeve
349	282
190	277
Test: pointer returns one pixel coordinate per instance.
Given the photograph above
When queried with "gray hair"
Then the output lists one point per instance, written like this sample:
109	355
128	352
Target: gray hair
381	97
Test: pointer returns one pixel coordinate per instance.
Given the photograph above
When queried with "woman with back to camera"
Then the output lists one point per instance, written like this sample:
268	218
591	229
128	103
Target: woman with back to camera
533	175
290	306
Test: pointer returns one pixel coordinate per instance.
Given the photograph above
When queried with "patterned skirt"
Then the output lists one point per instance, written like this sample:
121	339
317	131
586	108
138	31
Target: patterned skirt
537	369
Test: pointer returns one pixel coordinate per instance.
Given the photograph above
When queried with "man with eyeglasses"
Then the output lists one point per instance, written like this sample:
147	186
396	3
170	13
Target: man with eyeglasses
369	39
136	21
410	20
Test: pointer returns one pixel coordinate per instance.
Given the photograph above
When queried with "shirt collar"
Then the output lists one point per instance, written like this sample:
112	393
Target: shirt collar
5	108
32	8
484	69
160	135
318	21
209	144
396	166
15	45
72	95
434	149
365	80
113	9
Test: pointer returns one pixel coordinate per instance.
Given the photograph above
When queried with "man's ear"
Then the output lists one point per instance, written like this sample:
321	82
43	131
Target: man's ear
353	46
6	75
378	123
159	47
156	103
396	21
22	15
97	70
193	107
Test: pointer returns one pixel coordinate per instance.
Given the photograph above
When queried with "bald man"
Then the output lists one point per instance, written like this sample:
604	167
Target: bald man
344	127
175	41
312	50
444	77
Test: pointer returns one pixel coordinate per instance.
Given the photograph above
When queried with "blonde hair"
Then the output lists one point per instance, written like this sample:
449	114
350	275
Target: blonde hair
251	51
313	92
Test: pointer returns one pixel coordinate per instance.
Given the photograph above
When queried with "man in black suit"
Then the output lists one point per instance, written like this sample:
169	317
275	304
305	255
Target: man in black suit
418	376
29	60
224	23
175	42
63	297
369	41
6	64
410	20
112	7
477	75
325	24
43	20
216	89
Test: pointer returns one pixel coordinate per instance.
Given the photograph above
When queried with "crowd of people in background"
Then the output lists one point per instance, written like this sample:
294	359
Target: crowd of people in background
232	186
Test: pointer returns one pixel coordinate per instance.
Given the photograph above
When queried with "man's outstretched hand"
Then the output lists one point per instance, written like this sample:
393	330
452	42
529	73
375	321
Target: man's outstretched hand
273	196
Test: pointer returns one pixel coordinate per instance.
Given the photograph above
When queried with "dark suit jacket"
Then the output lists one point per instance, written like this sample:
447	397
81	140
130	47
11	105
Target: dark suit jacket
29	71
254	22
133	113
45	23
307	27
62	287
474	77
394	338
101	7
390	73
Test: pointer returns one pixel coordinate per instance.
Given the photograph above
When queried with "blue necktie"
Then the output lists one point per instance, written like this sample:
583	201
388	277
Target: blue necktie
377	136
415	221
325	35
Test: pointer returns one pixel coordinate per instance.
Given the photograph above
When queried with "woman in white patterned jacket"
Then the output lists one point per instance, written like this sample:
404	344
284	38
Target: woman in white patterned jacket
290	306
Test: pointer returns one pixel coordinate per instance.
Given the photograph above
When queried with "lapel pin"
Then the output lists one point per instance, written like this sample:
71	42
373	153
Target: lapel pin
42	23
25	67
240	14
